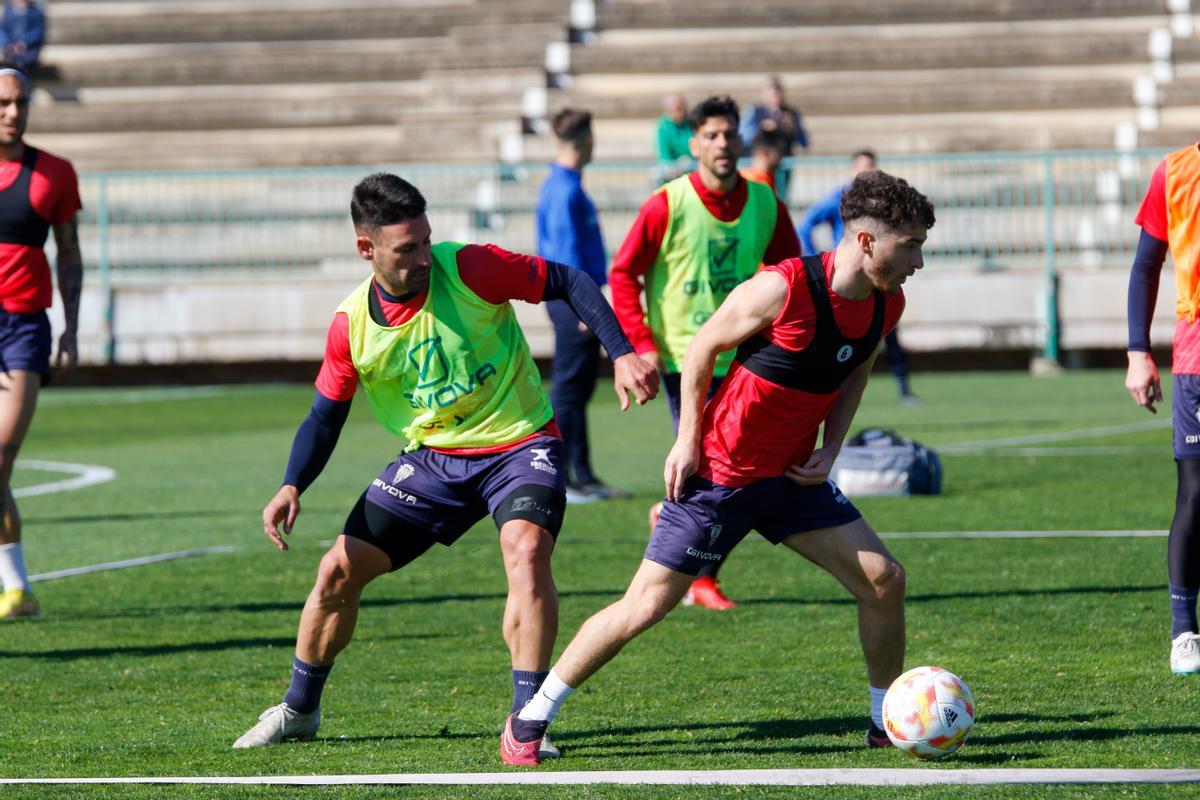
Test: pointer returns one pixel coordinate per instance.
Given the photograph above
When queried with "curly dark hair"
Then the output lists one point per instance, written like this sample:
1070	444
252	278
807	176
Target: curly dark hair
717	106
886	199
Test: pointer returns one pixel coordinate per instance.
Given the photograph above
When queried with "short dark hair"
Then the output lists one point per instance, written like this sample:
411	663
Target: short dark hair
771	140
864	154
717	106
571	124
886	199
384	199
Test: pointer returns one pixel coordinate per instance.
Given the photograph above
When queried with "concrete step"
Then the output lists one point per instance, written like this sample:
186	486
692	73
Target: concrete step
82	23
304	105
770	13
832	53
280	62
466	142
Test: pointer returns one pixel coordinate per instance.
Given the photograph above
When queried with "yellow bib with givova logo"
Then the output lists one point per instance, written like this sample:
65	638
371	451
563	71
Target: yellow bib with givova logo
1183	228
699	263
457	374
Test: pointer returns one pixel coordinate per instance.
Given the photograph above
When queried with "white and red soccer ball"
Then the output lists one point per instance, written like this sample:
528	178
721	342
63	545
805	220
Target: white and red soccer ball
928	712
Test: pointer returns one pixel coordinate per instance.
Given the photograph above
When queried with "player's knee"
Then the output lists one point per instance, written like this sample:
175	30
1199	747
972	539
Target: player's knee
529	551
336	578
888	584
643	613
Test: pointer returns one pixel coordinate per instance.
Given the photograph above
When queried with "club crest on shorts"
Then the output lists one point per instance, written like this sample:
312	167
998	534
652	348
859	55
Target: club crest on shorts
714	533
403	473
541	460
844	353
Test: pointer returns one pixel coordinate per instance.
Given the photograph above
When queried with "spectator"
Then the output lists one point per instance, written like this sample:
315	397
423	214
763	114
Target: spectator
22	30
673	130
766	153
773	114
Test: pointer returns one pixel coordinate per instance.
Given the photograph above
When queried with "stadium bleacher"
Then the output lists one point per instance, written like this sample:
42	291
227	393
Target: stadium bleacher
144	94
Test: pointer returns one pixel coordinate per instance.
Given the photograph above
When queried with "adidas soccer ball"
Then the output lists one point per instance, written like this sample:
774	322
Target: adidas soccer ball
928	712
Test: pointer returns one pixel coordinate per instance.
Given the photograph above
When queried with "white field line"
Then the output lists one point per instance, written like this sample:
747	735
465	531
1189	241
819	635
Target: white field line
1058	436
85	475
89	397
1069	452
141	561
1025	535
733	777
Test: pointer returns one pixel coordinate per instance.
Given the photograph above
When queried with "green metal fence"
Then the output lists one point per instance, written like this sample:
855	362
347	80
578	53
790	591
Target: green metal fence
1043	211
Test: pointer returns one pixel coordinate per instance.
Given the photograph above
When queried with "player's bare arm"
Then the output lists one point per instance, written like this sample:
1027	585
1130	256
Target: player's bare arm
70	286
747	310
816	469
1142	381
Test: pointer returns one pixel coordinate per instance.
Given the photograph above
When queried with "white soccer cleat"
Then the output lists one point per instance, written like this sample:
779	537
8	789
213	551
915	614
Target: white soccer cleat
278	723
548	749
1185	654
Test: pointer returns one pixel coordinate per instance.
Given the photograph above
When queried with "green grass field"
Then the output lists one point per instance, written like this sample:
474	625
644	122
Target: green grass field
156	670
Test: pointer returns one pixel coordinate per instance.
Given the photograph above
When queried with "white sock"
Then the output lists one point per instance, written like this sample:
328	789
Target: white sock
12	567
544	705
877	706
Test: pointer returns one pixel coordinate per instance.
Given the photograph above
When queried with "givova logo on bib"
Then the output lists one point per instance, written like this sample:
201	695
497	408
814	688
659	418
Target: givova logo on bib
722	269
434	376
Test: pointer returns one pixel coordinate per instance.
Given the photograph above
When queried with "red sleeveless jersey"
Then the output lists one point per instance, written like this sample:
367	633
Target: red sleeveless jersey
767	414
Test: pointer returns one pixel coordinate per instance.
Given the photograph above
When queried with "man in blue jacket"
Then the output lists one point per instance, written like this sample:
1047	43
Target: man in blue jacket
568	232
22	31
827	211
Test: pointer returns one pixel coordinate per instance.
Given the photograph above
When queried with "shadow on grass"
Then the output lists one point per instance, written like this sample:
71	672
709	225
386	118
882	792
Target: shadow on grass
794	736
217	646
297	604
88	519
610	594
928	597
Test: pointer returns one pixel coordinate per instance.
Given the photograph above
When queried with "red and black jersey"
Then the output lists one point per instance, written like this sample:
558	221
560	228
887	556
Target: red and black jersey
786	378
36	192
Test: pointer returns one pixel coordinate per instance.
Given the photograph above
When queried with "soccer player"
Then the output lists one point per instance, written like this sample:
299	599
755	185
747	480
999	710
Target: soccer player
568	232
766	154
39	192
1170	220
693	241
432	338
806	332
825	212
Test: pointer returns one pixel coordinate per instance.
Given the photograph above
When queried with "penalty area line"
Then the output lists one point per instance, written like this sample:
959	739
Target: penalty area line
732	777
140	561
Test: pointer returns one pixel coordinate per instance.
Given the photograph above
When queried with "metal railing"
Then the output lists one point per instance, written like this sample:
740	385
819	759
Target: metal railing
1047	211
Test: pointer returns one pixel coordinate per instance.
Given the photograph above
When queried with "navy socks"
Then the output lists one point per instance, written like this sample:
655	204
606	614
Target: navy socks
1183	610
308	681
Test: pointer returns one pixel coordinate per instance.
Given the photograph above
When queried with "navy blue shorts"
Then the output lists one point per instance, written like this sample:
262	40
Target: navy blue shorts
25	342
711	519
425	497
1185	412
670	387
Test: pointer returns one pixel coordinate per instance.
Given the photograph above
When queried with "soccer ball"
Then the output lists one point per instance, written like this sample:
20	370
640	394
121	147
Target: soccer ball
928	712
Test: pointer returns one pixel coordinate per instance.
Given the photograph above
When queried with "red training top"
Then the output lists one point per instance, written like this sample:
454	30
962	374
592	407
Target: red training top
25	283
754	428
1153	219
640	249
